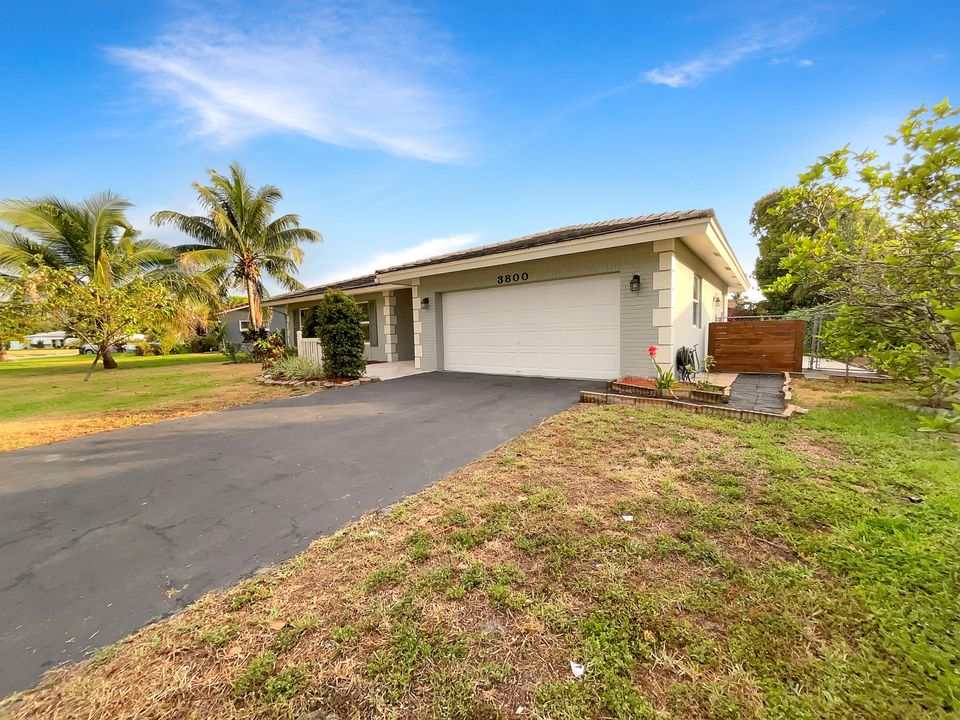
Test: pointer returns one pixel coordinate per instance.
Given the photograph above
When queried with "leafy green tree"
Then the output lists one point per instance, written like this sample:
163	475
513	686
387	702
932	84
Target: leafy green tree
103	314
772	224
237	238
341	335
94	243
949	420
18	313
881	241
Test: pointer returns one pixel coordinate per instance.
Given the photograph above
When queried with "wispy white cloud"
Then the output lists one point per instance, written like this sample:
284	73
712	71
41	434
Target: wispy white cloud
420	251
358	75
758	41
790	61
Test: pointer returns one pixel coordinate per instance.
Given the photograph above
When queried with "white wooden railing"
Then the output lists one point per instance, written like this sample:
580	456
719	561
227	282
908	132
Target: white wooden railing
309	348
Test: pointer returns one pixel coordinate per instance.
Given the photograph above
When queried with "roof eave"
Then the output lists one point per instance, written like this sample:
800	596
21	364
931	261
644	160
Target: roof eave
364	290
651	233
739	282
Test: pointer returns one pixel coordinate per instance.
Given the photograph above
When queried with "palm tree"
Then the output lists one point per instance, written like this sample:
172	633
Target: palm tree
236	236
95	242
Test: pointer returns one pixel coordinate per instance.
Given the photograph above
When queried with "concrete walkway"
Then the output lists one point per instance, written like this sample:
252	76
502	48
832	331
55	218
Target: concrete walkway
393	370
761	392
103	534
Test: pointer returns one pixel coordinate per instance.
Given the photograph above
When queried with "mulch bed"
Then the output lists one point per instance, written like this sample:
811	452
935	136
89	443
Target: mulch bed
319	382
650	383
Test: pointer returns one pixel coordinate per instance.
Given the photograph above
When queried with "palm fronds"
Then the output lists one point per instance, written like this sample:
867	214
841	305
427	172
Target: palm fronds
239	236
95	242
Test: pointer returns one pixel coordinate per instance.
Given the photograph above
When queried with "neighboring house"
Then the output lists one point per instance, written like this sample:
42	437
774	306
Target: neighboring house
236	319
53	339
60	339
585	301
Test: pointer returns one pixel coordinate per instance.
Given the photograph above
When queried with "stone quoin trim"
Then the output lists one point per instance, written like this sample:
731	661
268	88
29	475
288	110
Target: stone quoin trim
663	283
417	325
390	325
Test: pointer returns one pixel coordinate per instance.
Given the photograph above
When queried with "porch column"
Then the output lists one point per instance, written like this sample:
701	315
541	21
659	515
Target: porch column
417	326
664	283
390	325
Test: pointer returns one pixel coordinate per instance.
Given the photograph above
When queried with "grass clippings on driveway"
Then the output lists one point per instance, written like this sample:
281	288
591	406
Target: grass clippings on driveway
46	400
697	567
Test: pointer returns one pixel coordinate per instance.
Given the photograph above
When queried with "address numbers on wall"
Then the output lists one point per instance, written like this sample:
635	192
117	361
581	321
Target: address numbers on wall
515	277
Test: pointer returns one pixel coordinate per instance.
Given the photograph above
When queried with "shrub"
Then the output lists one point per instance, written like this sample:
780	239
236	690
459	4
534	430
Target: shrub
294	368
244	357
231	350
144	348
311	323
252	335
341	336
270	350
167	341
201	344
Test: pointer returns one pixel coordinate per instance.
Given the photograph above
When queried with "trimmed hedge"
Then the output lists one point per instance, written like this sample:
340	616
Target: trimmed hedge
338	325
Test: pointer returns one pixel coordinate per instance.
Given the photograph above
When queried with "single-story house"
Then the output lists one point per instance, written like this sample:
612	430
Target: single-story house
236	319
585	301
52	339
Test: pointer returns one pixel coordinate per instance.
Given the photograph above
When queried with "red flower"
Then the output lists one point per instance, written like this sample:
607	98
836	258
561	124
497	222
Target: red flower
652	350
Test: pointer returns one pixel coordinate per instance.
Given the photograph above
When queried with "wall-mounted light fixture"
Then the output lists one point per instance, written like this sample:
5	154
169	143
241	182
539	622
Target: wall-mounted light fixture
425	303
716	301
635	283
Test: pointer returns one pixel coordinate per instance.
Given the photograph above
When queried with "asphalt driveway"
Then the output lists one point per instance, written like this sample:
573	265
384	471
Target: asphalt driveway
100	535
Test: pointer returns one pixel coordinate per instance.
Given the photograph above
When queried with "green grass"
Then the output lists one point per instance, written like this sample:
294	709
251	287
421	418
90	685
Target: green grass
801	570
46	398
263	681
55	385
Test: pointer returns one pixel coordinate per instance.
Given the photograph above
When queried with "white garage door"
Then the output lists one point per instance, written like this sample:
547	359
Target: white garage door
561	328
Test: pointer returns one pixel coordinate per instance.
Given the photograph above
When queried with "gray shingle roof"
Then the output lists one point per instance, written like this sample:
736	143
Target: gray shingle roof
558	235
351	284
550	237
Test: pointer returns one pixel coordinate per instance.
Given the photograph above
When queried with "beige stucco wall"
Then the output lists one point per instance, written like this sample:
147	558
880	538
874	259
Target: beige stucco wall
636	308
659	314
685	333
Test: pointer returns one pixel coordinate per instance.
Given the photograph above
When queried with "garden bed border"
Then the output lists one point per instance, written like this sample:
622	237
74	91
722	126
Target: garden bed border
601	398
323	384
715	397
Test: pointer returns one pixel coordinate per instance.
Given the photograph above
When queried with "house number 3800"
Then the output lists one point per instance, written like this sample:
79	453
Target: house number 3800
516	277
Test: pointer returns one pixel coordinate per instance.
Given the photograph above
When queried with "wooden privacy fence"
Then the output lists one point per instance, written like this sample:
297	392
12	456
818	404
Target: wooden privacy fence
757	345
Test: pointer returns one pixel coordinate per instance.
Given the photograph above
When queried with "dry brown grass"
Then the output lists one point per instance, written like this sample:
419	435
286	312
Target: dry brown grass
566	484
468	600
27	433
235	387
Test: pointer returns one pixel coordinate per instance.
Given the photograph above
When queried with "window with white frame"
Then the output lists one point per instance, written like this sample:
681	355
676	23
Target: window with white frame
697	300
244	324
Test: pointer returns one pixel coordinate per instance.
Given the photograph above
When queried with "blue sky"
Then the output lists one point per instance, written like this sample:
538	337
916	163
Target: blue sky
403	130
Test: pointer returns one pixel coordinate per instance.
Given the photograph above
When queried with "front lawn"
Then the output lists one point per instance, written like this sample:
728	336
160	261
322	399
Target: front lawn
694	567
41	352
44	399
